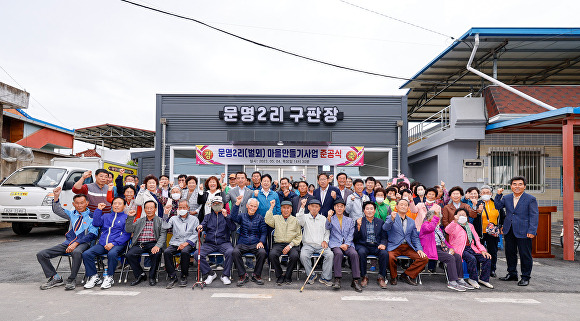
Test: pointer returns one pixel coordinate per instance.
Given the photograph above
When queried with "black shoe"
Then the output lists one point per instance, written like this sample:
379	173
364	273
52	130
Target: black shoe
407	279
152	282
280	281
183	281
336	284
243	279
356	285
140	279
524	282
393	281
509	277
288	281
492	274
258	280
171	283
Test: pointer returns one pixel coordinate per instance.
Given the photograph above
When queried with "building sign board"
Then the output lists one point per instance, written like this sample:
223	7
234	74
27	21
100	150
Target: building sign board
278	114
279	155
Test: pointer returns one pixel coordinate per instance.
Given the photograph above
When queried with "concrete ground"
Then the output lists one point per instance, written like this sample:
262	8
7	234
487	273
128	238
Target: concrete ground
554	293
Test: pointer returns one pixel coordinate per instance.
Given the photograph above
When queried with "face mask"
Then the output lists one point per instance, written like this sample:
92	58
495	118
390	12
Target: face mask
430	202
130	183
420	193
182	212
462	220
486	197
380	200
175	196
217	208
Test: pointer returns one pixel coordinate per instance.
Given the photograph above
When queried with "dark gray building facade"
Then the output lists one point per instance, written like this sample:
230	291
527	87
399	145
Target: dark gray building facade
378	123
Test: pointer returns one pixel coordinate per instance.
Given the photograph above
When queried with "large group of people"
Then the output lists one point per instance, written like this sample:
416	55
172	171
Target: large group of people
347	223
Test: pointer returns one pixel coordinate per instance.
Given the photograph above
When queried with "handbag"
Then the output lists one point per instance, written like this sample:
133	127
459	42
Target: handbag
491	228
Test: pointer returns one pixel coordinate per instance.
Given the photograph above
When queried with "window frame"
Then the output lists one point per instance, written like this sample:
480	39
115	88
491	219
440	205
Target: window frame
515	152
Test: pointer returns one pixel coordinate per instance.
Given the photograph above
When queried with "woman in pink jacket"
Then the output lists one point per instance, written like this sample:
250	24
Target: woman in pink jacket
464	239
437	249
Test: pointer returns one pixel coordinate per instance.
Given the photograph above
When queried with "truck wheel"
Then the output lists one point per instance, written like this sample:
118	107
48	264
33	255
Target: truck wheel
21	228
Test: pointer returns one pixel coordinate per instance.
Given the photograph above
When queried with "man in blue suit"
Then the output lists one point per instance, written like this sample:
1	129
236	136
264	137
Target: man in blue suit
326	194
519	228
403	239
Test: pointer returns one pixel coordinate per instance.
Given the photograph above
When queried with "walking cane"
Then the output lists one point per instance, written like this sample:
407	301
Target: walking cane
199	282
313	267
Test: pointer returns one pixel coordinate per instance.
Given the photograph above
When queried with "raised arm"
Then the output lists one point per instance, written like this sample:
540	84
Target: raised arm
56	208
79	187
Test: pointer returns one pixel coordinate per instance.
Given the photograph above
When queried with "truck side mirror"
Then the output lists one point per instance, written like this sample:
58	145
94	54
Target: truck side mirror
67	186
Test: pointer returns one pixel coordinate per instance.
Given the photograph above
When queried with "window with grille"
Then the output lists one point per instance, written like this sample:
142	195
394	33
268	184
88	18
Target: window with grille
507	163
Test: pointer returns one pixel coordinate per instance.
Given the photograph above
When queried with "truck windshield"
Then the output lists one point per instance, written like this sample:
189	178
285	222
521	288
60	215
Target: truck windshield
36	176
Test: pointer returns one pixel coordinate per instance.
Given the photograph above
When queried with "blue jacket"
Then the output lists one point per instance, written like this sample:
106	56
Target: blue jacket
523	219
112	227
396	235
290	196
360	237
265	203
252	227
328	203
218	229
82	222
338	235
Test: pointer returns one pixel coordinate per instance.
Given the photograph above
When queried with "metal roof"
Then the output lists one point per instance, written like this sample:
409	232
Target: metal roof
116	137
524	56
548	122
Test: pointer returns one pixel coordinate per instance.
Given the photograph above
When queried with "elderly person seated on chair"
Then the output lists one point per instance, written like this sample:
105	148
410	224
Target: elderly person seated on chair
183	241
315	239
218	228
437	249
287	238
371	239
403	239
341	242
112	242
149	236
464	239
252	239
77	240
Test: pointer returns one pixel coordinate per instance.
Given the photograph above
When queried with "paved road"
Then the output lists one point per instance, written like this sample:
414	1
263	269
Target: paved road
554	293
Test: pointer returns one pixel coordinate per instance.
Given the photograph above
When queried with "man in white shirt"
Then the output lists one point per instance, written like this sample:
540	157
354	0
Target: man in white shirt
315	238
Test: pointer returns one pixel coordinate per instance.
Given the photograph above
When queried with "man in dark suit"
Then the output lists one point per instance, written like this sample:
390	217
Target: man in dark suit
344	191
375	243
519	228
241	188
403	239
326	194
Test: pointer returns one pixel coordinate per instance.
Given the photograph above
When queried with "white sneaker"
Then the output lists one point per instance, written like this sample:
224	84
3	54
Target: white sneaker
486	284
93	280
107	282
473	283
210	279
226	280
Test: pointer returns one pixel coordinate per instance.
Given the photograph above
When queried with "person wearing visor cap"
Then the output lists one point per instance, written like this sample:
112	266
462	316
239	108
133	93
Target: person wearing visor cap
287	238
218	228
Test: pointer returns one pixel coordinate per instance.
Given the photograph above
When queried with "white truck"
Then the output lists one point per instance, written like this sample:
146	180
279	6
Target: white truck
26	195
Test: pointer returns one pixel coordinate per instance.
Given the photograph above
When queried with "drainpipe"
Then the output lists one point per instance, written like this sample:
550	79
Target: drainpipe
399	126
163	131
501	84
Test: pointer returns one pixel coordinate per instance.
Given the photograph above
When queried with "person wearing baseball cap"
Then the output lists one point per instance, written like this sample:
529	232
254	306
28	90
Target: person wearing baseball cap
315	240
287	238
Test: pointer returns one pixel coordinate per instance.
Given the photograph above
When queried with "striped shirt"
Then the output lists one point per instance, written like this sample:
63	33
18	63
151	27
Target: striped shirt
147	234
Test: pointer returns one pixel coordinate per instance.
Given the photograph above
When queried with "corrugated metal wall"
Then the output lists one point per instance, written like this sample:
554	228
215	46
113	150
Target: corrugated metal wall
370	121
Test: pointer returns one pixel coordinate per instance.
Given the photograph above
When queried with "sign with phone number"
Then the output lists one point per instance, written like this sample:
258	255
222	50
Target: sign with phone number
275	155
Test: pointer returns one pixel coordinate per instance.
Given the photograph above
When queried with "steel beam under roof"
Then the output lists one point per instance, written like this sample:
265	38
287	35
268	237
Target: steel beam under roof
523	56
116	137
